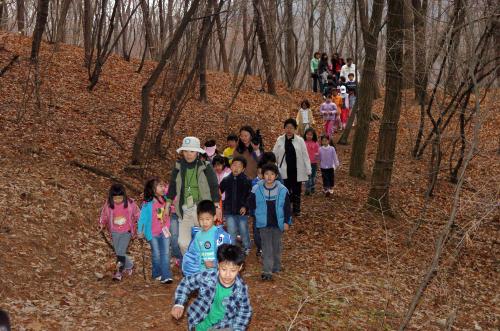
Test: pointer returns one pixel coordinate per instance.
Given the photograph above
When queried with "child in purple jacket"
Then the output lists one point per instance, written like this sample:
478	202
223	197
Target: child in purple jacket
329	112
329	162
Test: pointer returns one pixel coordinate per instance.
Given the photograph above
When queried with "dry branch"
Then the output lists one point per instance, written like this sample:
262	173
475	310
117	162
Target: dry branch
9	65
105	174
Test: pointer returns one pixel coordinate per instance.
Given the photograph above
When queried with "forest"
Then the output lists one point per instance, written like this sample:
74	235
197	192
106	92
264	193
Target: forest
101	96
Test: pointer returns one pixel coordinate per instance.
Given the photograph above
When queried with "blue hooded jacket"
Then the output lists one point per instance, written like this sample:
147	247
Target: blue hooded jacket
260	212
191	261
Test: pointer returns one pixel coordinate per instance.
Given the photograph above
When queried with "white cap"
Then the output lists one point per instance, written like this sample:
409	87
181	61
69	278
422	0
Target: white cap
342	89
191	144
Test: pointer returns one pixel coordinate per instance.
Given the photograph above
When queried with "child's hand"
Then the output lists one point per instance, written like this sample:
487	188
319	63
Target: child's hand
177	312
243	211
209	264
140	235
286	227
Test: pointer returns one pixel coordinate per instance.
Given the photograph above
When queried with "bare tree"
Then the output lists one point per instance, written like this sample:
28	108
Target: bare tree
147	88
271	87
87	31
21	14
150	41
364	103
382	169
41	20
61	22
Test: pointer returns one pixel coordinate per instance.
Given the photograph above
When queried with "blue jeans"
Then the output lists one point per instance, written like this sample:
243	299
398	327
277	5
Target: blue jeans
174	231
238	224
160	254
310	184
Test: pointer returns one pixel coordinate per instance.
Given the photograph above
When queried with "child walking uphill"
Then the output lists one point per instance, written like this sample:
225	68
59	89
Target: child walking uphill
119	215
223	301
270	204
329	162
154	224
329	112
202	250
237	188
311	140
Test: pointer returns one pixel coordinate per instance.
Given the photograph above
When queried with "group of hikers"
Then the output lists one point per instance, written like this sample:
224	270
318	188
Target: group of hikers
200	219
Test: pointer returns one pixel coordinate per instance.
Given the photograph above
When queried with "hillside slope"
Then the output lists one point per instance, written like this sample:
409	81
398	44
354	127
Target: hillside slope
351	267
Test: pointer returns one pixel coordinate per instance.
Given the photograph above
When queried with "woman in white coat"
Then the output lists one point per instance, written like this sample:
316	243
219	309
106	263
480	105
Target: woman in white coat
293	162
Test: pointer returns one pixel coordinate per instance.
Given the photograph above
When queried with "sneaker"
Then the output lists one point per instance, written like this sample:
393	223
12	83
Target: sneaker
158	278
258	252
266	277
117	276
327	193
167	281
276	271
330	191
128	272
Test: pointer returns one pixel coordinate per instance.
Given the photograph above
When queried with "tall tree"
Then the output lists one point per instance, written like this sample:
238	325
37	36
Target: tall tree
21	14
41	19
222	41
323	6
384	161
61	22
148	27
364	103
271	87
203	56
408	67
87	31
420	25
269	16
290	44
148	86
3	15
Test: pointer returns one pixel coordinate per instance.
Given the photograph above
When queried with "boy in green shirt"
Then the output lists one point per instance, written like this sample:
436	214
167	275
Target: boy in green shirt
223	300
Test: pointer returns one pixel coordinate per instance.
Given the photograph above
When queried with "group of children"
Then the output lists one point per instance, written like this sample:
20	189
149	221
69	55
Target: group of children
213	259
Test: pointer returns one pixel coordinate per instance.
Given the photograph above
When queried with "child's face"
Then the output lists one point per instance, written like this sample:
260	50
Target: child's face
309	136
232	143
245	137
289	130
206	221
228	272
351	77
160	189
117	199
237	168
324	141
189	156
269	177
218	168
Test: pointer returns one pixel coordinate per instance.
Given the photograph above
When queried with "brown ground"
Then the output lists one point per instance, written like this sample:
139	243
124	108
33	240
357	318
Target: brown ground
348	268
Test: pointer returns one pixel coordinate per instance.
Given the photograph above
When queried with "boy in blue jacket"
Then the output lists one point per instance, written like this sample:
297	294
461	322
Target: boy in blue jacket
223	301
201	253
270	204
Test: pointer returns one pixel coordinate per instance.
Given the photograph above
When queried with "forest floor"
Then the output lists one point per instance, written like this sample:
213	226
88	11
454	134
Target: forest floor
345	267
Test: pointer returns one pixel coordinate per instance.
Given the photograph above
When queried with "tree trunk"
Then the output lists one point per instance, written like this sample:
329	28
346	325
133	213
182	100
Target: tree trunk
61	23
310	36
222	41
246	37
170	17
290	50
3	9
41	20
146	89
163	34
21	13
408	70
382	169
421	71
452	81
322	25
87	31
271	88
148	30
270	17
365	100
203	52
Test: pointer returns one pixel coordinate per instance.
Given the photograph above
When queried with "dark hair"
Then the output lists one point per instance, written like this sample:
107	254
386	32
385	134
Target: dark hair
330	140
349	59
270	167
241	146
324	56
203	156
350	74
306	102
4	320
150	189
342	79
116	190
230	253
291	121
257	140
210	143
232	137
316	53
205	206
240	159
219	159
267	157
315	136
